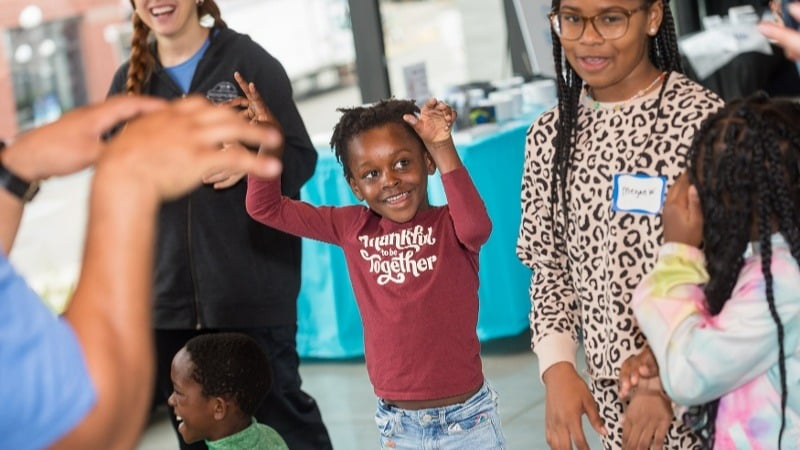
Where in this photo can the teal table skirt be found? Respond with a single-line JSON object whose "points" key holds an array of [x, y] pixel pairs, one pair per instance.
{"points": [[329, 325]]}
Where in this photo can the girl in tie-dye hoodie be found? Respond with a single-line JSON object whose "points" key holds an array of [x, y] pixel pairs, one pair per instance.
{"points": [[721, 308]]}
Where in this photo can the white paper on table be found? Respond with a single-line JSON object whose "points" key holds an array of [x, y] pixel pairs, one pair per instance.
{"points": [[709, 50]]}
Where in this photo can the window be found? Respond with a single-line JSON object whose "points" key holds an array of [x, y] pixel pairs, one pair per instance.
{"points": [[46, 70]]}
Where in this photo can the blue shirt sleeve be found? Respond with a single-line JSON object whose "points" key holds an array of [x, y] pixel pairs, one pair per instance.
{"points": [[44, 382]]}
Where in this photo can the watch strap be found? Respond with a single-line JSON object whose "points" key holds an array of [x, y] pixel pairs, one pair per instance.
{"points": [[22, 189]]}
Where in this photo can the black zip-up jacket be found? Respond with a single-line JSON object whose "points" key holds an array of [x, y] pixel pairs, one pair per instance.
{"points": [[215, 266]]}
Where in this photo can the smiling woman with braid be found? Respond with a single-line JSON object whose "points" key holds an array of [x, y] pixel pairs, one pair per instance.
{"points": [[723, 320], [215, 268], [596, 168]]}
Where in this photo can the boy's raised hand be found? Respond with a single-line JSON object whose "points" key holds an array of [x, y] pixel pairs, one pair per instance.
{"points": [[255, 108], [435, 121], [258, 113], [682, 215], [434, 127]]}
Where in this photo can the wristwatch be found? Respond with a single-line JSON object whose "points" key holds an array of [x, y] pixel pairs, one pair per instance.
{"points": [[22, 189]]}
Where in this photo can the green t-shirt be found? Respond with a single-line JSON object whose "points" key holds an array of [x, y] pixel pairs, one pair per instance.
{"points": [[255, 437]]}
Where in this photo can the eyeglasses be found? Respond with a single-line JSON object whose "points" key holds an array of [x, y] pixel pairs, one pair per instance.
{"points": [[610, 24]]}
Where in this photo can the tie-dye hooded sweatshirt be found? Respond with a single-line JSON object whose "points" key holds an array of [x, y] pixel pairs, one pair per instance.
{"points": [[732, 356]]}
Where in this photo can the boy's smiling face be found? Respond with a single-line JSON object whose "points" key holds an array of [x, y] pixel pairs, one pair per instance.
{"points": [[194, 410], [390, 171]]}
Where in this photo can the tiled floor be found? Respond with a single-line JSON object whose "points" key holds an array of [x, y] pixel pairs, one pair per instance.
{"points": [[348, 403]]}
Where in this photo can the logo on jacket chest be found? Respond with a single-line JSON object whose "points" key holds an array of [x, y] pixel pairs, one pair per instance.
{"points": [[393, 256], [224, 91]]}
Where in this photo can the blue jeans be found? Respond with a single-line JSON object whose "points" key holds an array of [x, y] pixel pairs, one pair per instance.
{"points": [[472, 425]]}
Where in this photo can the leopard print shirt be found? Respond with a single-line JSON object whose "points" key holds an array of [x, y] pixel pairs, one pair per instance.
{"points": [[585, 292]]}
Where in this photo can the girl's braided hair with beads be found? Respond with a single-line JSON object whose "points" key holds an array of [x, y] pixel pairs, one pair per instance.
{"points": [[663, 53], [142, 59], [358, 119], [745, 163]]}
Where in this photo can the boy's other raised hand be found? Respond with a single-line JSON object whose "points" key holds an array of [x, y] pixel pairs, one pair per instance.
{"points": [[254, 107], [435, 121], [256, 110], [682, 215]]}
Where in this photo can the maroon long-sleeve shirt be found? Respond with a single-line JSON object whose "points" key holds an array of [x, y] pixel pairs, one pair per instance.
{"points": [[416, 283]]}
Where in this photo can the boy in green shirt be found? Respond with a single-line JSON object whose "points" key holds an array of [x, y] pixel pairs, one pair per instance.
{"points": [[219, 380]]}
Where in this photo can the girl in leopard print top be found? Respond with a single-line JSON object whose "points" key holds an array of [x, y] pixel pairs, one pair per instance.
{"points": [[596, 168]]}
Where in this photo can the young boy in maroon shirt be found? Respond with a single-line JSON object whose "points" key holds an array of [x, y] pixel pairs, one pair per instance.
{"points": [[413, 266]]}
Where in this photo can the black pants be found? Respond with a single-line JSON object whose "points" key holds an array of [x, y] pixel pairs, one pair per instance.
{"points": [[287, 409]]}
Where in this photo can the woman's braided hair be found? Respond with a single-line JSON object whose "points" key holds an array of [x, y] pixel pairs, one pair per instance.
{"points": [[745, 163], [142, 59], [664, 54]]}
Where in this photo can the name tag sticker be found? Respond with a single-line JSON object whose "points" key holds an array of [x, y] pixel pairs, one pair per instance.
{"points": [[634, 193]]}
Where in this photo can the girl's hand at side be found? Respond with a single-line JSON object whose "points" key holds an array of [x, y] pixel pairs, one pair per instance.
{"points": [[567, 398], [647, 417], [682, 215]]}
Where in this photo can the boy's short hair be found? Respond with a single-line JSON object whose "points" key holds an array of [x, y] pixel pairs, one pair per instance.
{"points": [[358, 119], [231, 364]]}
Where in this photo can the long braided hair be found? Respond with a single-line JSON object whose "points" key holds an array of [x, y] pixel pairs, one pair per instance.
{"points": [[745, 163], [142, 59], [663, 52]]}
